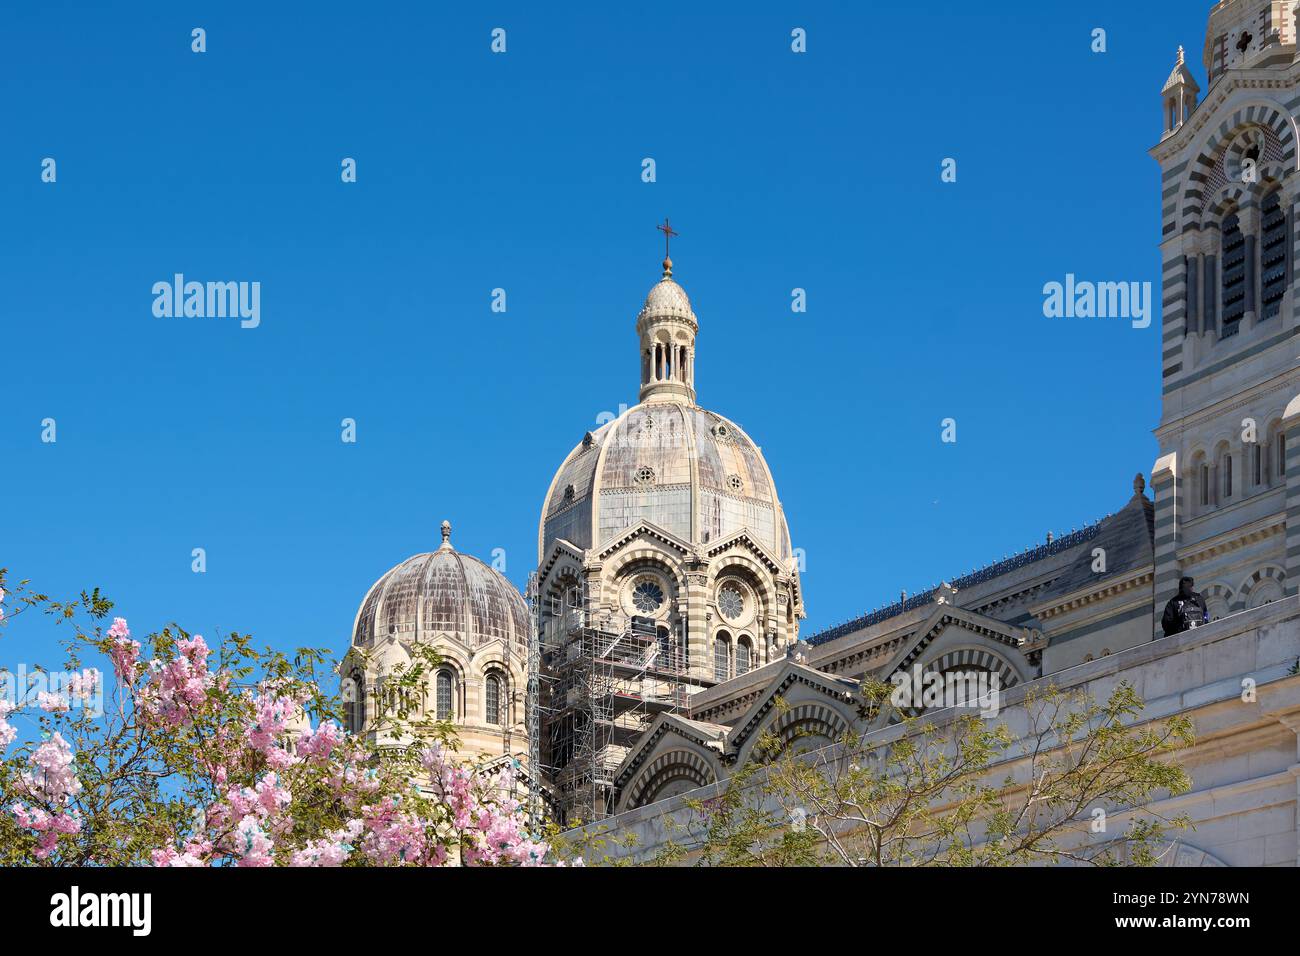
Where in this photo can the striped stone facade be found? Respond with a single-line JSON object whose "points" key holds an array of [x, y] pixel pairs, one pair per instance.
{"points": [[1228, 351], [1164, 486]]}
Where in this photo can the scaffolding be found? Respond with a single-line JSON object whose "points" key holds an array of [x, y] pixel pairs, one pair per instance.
{"points": [[532, 702], [607, 677]]}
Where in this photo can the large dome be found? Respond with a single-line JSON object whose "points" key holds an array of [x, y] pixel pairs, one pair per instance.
{"points": [[443, 592], [665, 461], [686, 469]]}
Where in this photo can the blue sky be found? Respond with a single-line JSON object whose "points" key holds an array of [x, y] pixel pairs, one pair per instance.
{"points": [[522, 171]]}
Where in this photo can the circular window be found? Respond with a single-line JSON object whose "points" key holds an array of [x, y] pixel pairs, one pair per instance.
{"points": [[568, 492], [731, 602], [648, 596], [735, 482], [645, 475]]}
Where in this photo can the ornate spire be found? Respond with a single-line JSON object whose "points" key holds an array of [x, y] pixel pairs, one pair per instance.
{"points": [[446, 536], [1180, 55], [666, 328], [668, 232]]}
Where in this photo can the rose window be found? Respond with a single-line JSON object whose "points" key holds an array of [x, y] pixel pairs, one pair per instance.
{"points": [[648, 596], [731, 603]]}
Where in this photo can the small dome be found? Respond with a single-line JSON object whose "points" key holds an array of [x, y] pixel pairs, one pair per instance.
{"points": [[443, 592], [667, 298]]}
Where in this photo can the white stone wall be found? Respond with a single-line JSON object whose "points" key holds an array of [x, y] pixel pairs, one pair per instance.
{"points": [[1244, 765]]}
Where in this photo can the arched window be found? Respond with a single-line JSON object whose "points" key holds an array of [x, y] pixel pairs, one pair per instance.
{"points": [[1201, 483], [1281, 454], [354, 706], [445, 684], [492, 696], [1234, 275], [743, 655], [1225, 469], [1272, 257], [722, 656]]}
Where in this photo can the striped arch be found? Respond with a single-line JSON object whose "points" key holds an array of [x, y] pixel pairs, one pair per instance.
{"points": [[758, 576], [969, 658], [664, 561], [813, 719], [1272, 177], [672, 767], [1219, 599], [975, 658], [1206, 177], [1264, 585]]}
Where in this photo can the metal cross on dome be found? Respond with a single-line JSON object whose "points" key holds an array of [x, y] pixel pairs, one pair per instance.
{"points": [[668, 232]]}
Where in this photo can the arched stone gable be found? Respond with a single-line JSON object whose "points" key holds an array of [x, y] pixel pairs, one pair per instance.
{"points": [[676, 768], [980, 658], [617, 562], [564, 556], [671, 751], [814, 721], [797, 685], [1204, 177], [967, 628], [743, 541]]}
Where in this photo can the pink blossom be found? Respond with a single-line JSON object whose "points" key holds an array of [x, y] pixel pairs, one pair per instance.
{"points": [[52, 703], [252, 843], [83, 686], [319, 744], [7, 731], [124, 652]]}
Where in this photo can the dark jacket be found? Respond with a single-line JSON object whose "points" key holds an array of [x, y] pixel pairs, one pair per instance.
{"points": [[1184, 611]]}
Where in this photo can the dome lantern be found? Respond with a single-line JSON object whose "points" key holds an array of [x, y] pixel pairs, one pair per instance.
{"points": [[666, 328]]}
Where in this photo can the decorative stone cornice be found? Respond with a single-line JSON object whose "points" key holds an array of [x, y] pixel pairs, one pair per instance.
{"points": [[1143, 577], [1274, 79], [1233, 540]]}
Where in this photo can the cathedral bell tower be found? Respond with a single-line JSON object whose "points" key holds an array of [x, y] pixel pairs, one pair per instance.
{"points": [[1226, 496]]}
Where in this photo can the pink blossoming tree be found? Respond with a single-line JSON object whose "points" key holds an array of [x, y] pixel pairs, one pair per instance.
{"points": [[227, 755]]}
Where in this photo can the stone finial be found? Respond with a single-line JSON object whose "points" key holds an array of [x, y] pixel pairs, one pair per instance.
{"points": [[1180, 55], [446, 535], [1139, 484], [1050, 537]]}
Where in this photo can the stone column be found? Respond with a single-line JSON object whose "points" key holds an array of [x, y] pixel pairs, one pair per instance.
{"points": [[1168, 518], [1249, 219], [1291, 429], [1193, 290], [698, 621], [1210, 298]]}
